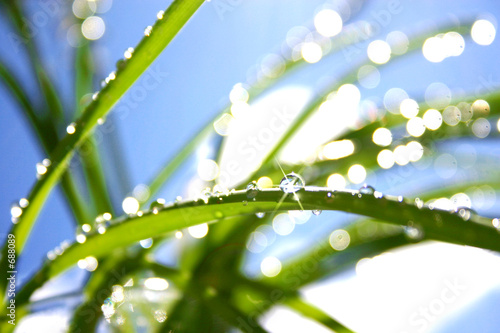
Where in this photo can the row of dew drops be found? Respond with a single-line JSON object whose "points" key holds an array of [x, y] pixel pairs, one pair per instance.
{"points": [[290, 184], [129, 52]]}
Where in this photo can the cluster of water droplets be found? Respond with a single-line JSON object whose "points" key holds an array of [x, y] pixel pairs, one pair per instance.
{"points": [[17, 209], [59, 250], [42, 168], [101, 224]]}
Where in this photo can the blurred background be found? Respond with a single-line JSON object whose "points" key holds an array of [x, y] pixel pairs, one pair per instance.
{"points": [[224, 49]]}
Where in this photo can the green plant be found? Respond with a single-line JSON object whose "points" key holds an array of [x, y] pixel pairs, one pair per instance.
{"points": [[208, 300]]}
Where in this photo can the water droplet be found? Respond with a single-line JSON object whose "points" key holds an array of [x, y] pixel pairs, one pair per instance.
{"points": [[82, 233], [160, 14], [260, 214], [496, 223], [413, 232], [378, 195], [400, 198], [101, 121], [317, 212], [252, 190], [245, 203], [40, 170], [16, 211], [329, 194], [291, 183], [95, 95], [101, 224], [148, 30], [51, 255], [160, 316], [120, 64], [157, 205], [465, 213], [128, 53], [71, 128], [367, 189], [205, 194], [218, 214], [178, 234], [419, 203], [146, 243]]}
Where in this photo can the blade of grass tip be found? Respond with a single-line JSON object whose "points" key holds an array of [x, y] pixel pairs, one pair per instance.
{"points": [[436, 224], [415, 44], [47, 137], [148, 49]]}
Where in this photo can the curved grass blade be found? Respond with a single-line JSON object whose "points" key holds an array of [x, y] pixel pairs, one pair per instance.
{"points": [[435, 224]]}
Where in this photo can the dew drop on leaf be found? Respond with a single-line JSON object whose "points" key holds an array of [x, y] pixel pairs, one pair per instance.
{"points": [[316, 212], [252, 190], [291, 183], [157, 205], [367, 189], [260, 214]]}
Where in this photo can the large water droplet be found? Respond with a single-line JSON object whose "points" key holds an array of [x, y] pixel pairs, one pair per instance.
{"points": [[291, 183], [367, 189], [252, 190], [316, 212], [260, 214], [160, 14], [157, 205]]}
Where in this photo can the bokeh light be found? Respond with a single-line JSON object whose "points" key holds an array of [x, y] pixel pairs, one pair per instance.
{"points": [[328, 22], [483, 32], [93, 27], [379, 52], [270, 266], [356, 174]]}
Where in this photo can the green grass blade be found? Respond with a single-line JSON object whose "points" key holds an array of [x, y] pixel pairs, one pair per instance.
{"points": [[435, 224], [310, 311], [147, 50]]}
